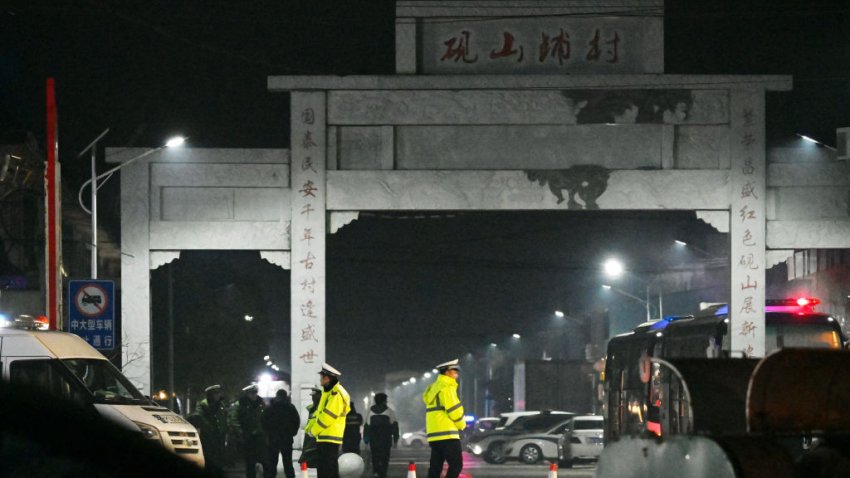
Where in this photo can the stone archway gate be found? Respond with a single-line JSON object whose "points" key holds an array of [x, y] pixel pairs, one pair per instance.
{"points": [[478, 142]]}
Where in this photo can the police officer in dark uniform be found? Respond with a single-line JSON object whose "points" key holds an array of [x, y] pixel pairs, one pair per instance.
{"points": [[281, 422], [249, 412], [210, 418]]}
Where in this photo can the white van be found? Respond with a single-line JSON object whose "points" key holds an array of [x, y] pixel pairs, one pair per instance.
{"points": [[66, 366]]}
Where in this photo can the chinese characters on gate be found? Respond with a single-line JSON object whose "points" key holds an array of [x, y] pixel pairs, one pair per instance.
{"points": [[303, 238], [749, 214], [558, 46]]}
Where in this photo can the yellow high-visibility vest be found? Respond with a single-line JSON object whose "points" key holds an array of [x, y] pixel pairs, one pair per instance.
{"points": [[443, 410], [329, 423]]}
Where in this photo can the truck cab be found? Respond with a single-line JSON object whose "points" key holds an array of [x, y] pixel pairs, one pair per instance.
{"points": [[65, 366]]}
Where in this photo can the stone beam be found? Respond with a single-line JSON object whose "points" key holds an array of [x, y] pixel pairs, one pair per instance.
{"points": [[506, 82], [513, 190], [817, 234]]}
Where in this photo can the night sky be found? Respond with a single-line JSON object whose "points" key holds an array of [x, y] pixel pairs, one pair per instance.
{"points": [[149, 69]]}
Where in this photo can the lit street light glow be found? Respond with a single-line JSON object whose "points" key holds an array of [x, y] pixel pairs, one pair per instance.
{"points": [[249, 318], [412, 379], [613, 268], [516, 336], [559, 314], [809, 139], [175, 142], [681, 243], [606, 286]]}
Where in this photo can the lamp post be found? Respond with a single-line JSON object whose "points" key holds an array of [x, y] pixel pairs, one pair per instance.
{"points": [[632, 296], [614, 268], [173, 142]]}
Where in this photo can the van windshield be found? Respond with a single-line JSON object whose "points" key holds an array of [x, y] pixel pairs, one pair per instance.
{"points": [[104, 381]]}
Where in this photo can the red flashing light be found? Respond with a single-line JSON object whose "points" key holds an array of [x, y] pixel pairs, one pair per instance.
{"points": [[42, 322], [800, 306], [807, 302]]}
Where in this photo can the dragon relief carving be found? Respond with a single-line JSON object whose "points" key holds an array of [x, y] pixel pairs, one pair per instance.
{"points": [[586, 182]]}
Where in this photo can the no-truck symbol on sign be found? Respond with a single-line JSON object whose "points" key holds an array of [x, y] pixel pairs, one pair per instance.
{"points": [[92, 300], [92, 312]]}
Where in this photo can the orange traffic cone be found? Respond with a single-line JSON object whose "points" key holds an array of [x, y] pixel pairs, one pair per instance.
{"points": [[553, 470], [304, 472], [411, 470]]}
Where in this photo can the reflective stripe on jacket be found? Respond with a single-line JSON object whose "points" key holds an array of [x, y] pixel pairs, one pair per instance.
{"points": [[329, 424], [443, 410]]}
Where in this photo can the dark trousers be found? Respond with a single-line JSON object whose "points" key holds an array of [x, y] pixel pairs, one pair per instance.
{"points": [[255, 452], [380, 459], [445, 451], [328, 466], [276, 450]]}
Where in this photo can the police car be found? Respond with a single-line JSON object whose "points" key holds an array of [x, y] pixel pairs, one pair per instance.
{"points": [[491, 445], [581, 441], [530, 448]]}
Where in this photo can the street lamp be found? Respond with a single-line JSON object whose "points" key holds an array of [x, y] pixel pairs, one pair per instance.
{"points": [[809, 139], [631, 296], [171, 143], [692, 247], [614, 268]]}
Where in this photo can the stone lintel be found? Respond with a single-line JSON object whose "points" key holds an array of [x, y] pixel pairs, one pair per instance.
{"points": [[820, 234], [504, 82], [525, 8], [836, 173], [513, 190], [200, 155]]}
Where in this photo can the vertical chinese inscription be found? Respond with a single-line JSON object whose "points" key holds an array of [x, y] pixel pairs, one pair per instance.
{"points": [[307, 313], [747, 228]]}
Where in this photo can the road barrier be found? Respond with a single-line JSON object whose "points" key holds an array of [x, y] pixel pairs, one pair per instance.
{"points": [[411, 470]]}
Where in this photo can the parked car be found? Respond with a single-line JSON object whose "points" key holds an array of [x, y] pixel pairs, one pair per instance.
{"points": [[489, 445], [530, 448], [486, 423], [581, 440], [507, 418], [481, 425], [417, 439]]}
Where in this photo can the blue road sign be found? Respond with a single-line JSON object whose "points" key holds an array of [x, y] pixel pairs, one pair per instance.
{"points": [[91, 312]]}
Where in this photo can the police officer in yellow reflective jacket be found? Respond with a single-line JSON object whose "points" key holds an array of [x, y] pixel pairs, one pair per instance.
{"points": [[329, 422], [444, 421]]}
